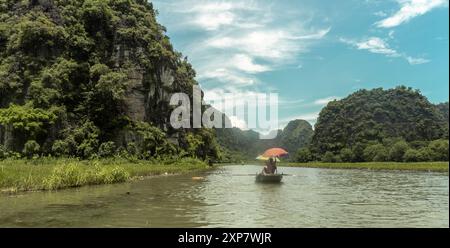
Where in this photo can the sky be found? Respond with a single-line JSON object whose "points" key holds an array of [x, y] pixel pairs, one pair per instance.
{"points": [[311, 52]]}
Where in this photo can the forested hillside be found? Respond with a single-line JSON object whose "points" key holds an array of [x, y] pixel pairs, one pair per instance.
{"points": [[243, 145], [296, 135], [91, 78], [381, 125]]}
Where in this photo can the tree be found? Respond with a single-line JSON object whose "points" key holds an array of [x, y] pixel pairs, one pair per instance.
{"points": [[31, 148], [398, 150], [346, 155], [358, 151], [3, 152], [411, 155], [107, 149], [328, 157], [28, 119], [424, 154], [439, 150], [60, 148], [375, 153], [304, 155]]}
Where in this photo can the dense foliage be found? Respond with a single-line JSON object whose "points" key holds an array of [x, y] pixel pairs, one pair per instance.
{"points": [[381, 125], [69, 71], [296, 135]]}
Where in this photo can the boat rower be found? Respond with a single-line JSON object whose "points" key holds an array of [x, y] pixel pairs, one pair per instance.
{"points": [[271, 167]]}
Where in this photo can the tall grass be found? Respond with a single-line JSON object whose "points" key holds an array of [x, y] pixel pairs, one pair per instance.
{"points": [[52, 173], [73, 175]]}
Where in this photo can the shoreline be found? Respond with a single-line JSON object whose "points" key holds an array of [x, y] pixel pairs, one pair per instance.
{"points": [[379, 166], [44, 174]]}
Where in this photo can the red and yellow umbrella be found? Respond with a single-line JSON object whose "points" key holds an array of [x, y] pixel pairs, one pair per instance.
{"points": [[275, 152]]}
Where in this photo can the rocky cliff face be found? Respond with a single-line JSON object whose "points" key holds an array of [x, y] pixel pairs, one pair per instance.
{"points": [[98, 64], [148, 92]]}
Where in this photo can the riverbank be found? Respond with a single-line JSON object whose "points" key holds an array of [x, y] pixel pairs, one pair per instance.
{"points": [[423, 166], [52, 173]]}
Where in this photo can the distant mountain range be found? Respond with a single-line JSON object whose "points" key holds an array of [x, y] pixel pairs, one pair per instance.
{"points": [[355, 122]]}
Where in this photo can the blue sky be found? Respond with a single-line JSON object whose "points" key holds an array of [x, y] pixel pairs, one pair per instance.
{"points": [[309, 51]]}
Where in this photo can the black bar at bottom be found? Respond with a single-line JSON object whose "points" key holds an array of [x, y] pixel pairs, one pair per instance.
{"points": [[265, 237]]}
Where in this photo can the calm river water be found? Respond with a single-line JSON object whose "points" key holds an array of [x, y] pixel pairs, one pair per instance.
{"points": [[229, 198]]}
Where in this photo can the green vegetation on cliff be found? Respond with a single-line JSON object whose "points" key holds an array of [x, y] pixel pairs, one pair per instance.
{"points": [[296, 135], [91, 78], [381, 125]]}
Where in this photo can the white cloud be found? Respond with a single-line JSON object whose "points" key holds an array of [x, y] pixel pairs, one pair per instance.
{"points": [[228, 76], [380, 14], [232, 42], [373, 45], [237, 40], [380, 46], [278, 43], [325, 101], [211, 16], [212, 21], [416, 61], [245, 63], [410, 9]]}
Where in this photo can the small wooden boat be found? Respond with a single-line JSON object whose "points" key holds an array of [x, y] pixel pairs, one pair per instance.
{"points": [[269, 178]]}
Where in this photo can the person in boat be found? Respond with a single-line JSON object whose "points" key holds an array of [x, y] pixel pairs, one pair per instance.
{"points": [[271, 167]]}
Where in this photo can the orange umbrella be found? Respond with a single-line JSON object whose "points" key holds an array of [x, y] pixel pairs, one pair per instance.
{"points": [[275, 152]]}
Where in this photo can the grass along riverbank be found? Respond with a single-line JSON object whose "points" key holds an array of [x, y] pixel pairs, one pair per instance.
{"points": [[52, 174], [423, 166]]}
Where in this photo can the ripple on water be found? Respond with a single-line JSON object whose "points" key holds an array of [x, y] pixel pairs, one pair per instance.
{"points": [[229, 197]]}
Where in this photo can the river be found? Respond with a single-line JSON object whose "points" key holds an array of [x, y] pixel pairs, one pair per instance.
{"points": [[230, 198]]}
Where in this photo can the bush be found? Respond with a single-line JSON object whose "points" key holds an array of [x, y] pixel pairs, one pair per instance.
{"points": [[418, 144], [3, 152], [346, 155], [375, 153], [328, 157], [60, 148], [31, 148], [64, 176], [411, 155], [303, 155], [115, 175], [358, 152], [154, 142], [132, 149], [424, 154], [337, 159], [439, 150], [107, 149], [398, 150], [28, 120], [86, 137]]}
